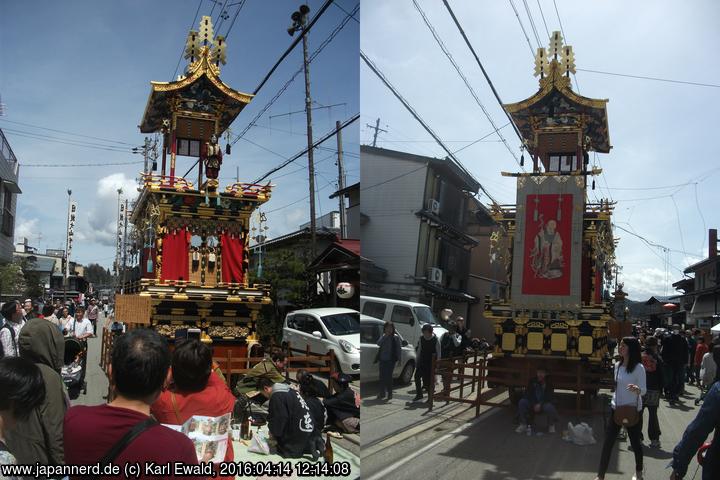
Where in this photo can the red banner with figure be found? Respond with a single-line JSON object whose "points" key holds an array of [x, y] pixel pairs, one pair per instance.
{"points": [[232, 254], [548, 244], [175, 261]]}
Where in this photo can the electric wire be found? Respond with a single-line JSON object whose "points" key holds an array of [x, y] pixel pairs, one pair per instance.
{"points": [[677, 216], [182, 51], [346, 12], [282, 89], [532, 23], [562, 30], [485, 74], [417, 117], [532, 52], [66, 132], [697, 204], [543, 19], [52, 165], [232, 24], [74, 144], [656, 79], [449, 56]]}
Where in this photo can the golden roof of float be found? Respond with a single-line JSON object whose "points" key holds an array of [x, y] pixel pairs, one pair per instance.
{"points": [[555, 105], [200, 90]]}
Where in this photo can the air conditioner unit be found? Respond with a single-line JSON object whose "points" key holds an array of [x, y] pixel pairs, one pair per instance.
{"points": [[433, 205], [434, 275]]}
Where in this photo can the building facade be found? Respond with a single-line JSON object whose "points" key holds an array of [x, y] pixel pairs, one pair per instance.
{"points": [[413, 226], [9, 191]]}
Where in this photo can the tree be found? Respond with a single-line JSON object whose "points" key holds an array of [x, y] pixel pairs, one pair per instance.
{"points": [[12, 280], [98, 275], [290, 286], [34, 288]]}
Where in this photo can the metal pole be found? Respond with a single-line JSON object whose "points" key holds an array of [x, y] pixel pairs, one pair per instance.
{"points": [[377, 127], [146, 151], [311, 164], [341, 182], [124, 252], [67, 246]]}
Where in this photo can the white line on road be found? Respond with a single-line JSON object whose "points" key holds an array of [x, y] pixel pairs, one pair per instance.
{"points": [[391, 468]]}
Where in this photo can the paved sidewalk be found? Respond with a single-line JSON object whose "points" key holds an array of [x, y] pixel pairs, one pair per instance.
{"points": [[97, 382]]}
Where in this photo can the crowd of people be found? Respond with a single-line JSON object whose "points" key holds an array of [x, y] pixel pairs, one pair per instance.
{"points": [[152, 386]]}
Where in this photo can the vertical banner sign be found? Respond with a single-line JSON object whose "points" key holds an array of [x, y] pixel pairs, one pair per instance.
{"points": [[548, 222], [72, 214], [547, 247]]}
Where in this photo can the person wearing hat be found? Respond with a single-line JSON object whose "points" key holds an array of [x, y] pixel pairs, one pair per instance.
{"points": [[14, 320], [428, 347], [654, 382], [343, 407]]}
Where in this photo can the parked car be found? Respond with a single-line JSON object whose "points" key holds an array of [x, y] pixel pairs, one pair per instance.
{"points": [[408, 317], [323, 330], [371, 329]]}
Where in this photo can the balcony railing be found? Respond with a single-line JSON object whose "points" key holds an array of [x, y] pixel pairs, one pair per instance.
{"points": [[7, 154]]}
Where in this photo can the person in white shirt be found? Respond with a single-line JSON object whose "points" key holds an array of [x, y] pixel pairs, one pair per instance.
{"points": [[629, 388], [92, 314], [64, 318], [13, 321], [80, 327]]}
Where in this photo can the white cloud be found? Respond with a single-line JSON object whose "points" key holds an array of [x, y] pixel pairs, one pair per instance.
{"points": [[646, 282], [27, 229], [102, 217]]}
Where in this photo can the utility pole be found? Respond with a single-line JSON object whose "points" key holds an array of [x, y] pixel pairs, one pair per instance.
{"points": [[299, 19], [68, 245], [341, 182], [377, 129], [118, 239]]}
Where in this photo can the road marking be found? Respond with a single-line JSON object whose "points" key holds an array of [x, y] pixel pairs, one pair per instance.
{"points": [[392, 467]]}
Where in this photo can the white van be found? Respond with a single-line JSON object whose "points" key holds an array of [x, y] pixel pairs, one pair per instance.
{"points": [[408, 317]]}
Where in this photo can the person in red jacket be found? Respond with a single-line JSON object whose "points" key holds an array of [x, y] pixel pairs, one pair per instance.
{"points": [[195, 390]]}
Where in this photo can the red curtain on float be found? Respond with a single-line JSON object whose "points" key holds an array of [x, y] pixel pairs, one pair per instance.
{"points": [[175, 264], [233, 251]]}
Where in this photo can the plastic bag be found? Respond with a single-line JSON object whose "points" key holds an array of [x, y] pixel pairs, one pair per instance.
{"points": [[259, 444], [580, 434]]}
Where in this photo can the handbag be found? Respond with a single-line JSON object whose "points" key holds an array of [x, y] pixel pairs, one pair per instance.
{"points": [[626, 415]]}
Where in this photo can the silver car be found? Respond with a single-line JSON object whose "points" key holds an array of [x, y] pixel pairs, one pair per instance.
{"points": [[371, 329]]}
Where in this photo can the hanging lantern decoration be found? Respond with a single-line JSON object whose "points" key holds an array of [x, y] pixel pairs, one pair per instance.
{"points": [[670, 307], [345, 290]]}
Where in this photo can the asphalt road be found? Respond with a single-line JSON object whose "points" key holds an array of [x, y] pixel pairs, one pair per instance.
{"points": [[487, 448]]}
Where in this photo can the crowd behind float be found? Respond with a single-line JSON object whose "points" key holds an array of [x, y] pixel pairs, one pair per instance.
{"points": [[42, 370]]}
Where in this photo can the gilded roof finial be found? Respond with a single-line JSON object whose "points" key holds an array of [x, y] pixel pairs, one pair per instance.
{"points": [[202, 43], [556, 61]]}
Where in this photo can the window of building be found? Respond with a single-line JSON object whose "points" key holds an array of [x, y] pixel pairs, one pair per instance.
{"points": [[8, 220]]}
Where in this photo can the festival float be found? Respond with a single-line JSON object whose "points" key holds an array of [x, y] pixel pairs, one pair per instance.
{"points": [[189, 241], [556, 247]]}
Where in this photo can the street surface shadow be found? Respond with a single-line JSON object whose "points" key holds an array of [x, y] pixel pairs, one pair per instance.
{"points": [[498, 453]]}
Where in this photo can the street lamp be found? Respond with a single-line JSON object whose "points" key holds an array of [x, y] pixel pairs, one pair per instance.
{"points": [[299, 18]]}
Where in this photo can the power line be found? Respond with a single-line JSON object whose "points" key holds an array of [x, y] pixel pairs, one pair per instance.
{"points": [[532, 52], [58, 165], [697, 204], [656, 79], [41, 136], [677, 216], [449, 56], [293, 45], [543, 18], [182, 51], [323, 139], [74, 144], [393, 178], [485, 74], [479, 139], [232, 24], [562, 30], [532, 23], [220, 16], [294, 76], [346, 12], [66, 132], [417, 117]]}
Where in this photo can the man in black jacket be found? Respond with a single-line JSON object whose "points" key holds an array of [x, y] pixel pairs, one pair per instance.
{"points": [[538, 398], [343, 407], [675, 355], [289, 418]]}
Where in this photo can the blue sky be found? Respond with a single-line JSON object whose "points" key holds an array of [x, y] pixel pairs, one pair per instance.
{"points": [[662, 169], [85, 67]]}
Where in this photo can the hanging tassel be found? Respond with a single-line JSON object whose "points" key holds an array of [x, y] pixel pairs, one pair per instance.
{"points": [[227, 149], [593, 184], [535, 215], [149, 265], [559, 214], [522, 160], [154, 165]]}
